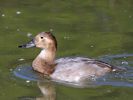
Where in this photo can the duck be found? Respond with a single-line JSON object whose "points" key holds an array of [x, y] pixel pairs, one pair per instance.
{"points": [[67, 69]]}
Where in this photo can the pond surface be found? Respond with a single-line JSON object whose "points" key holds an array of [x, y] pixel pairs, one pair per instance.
{"points": [[96, 29]]}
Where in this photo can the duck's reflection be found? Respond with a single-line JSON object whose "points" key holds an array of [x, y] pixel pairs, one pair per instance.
{"points": [[48, 91]]}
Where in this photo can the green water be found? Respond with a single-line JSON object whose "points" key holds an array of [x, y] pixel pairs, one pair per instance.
{"points": [[89, 28]]}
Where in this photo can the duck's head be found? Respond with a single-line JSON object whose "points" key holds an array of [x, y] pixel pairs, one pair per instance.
{"points": [[44, 40]]}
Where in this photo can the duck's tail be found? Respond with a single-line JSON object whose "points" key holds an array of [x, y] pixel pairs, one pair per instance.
{"points": [[118, 69]]}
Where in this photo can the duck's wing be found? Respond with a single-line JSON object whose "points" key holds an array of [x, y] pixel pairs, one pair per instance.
{"points": [[105, 65]]}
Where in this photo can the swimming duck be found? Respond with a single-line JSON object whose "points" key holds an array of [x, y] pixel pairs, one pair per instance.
{"points": [[68, 69]]}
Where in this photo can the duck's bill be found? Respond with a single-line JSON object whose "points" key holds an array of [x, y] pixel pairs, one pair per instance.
{"points": [[28, 45]]}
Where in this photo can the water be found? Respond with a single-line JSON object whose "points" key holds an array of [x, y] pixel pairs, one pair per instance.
{"points": [[90, 29]]}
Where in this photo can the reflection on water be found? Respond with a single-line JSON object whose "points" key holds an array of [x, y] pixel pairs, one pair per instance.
{"points": [[122, 78], [47, 89]]}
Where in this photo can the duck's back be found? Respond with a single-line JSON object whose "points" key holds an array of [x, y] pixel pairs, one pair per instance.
{"points": [[79, 69]]}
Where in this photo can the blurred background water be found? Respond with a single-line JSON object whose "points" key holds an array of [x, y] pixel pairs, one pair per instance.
{"points": [[89, 28]]}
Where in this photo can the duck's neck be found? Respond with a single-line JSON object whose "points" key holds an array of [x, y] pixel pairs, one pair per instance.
{"points": [[44, 62], [47, 55]]}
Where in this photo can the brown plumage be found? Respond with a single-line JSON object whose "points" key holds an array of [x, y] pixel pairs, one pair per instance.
{"points": [[68, 69]]}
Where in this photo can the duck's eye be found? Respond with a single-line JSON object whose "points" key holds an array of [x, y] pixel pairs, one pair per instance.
{"points": [[41, 37]]}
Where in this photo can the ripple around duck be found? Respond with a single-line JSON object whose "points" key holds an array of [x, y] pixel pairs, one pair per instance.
{"points": [[123, 78]]}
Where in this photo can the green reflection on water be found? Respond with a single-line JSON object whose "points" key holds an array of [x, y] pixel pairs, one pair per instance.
{"points": [[89, 28]]}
